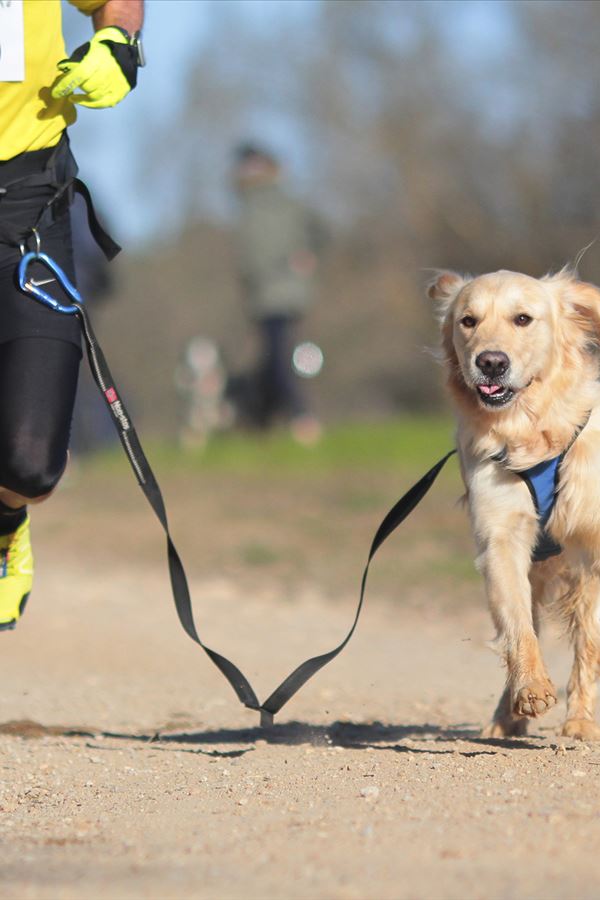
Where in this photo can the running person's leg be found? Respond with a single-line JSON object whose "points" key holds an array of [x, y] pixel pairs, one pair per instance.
{"points": [[40, 352], [39, 380]]}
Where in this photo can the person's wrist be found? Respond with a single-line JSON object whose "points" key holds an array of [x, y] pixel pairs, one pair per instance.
{"points": [[126, 34], [116, 34], [113, 33]]}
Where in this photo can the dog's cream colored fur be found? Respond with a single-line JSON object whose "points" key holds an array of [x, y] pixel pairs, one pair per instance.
{"points": [[554, 373]]}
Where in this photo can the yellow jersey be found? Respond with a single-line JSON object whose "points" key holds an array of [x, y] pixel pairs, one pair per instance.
{"points": [[29, 118]]}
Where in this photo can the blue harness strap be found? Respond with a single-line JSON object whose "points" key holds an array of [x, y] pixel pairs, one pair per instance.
{"points": [[542, 481]]}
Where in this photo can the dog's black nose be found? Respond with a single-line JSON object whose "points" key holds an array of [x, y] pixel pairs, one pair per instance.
{"points": [[492, 363]]}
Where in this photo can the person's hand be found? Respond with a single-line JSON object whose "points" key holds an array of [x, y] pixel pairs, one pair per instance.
{"points": [[104, 69]]}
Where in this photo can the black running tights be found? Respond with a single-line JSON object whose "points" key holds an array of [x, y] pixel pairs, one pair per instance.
{"points": [[38, 381]]}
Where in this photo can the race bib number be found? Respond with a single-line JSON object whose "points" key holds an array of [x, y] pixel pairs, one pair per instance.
{"points": [[12, 41]]}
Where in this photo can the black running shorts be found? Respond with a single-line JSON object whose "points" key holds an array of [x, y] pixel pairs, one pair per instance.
{"points": [[20, 315]]}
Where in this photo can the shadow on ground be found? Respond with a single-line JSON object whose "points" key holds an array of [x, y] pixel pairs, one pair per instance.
{"points": [[349, 735]]}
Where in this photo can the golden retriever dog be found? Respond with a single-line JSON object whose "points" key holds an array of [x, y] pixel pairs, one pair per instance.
{"points": [[523, 371]]}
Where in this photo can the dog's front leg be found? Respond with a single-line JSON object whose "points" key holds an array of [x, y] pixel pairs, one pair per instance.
{"points": [[529, 692], [580, 608]]}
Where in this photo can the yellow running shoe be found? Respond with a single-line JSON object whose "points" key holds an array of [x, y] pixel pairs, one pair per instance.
{"points": [[16, 574]]}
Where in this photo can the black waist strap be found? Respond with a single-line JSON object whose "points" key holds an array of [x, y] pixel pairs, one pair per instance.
{"points": [[58, 174], [109, 247]]}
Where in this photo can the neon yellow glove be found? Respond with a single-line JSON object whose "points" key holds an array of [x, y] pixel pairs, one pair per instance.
{"points": [[105, 69]]}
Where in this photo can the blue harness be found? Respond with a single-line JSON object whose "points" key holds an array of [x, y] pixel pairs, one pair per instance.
{"points": [[542, 481]]}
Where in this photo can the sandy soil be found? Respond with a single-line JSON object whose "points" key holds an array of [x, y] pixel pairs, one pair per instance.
{"points": [[130, 770]]}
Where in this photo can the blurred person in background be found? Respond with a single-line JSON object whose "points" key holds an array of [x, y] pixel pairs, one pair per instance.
{"points": [[40, 350], [277, 241]]}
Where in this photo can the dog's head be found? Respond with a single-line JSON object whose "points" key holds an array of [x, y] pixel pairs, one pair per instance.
{"points": [[505, 332]]}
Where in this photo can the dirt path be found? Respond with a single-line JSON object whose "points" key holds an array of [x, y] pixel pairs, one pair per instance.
{"points": [[373, 784]]}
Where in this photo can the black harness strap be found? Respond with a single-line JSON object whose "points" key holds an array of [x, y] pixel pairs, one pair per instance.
{"points": [[60, 174], [179, 585], [109, 247]]}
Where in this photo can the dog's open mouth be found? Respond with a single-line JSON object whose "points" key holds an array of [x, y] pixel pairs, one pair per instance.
{"points": [[494, 394]]}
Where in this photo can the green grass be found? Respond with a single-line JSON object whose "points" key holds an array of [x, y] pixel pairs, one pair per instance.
{"points": [[411, 443], [261, 507], [257, 554]]}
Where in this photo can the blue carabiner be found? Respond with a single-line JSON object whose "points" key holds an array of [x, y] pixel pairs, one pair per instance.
{"points": [[30, 287]]}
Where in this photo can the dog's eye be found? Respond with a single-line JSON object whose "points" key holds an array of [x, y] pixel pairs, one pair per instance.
{"points": [[468, 322], [523, 319]]}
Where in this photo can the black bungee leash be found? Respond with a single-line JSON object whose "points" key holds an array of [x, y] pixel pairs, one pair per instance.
{"points": [[149, 485]]}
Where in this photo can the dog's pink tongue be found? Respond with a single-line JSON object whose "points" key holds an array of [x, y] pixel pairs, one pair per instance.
{"points": [[489, 388]]}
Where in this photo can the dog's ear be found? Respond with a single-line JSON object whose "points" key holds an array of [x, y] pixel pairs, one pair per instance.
{"points": [[585, 298], [584, 303], [444, 286]]}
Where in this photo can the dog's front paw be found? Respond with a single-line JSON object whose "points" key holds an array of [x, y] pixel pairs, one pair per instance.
{"points": [[534, 698], [581, 730]]}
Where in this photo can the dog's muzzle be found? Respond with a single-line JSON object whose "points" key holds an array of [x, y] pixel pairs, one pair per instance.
{"points": [[492, 389]]}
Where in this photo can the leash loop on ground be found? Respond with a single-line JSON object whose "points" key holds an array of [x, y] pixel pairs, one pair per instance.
{"points": [[149, 485]]}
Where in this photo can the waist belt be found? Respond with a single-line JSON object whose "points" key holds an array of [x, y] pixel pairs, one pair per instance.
{"points": [[59, 175]]}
